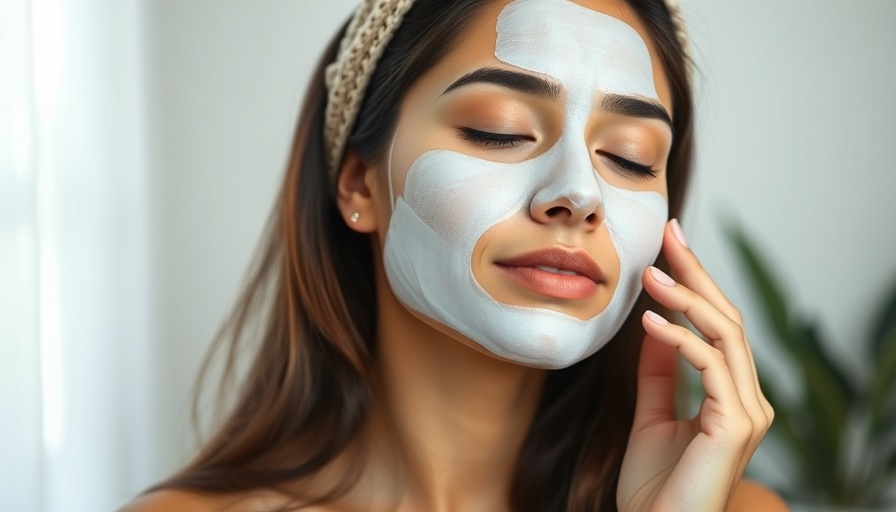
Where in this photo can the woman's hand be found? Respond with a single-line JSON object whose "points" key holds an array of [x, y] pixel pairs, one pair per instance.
{"points": [[696, 463]]}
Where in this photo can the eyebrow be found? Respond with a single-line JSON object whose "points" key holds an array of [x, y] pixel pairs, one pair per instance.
{"points": [[548, 89], [634, 107], [520, 82]]}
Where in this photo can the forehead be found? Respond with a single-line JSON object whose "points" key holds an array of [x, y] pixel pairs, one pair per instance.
{"points": [[576, 45], [562, 38]]}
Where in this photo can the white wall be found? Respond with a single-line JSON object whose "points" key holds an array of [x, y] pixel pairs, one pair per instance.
{"points": [[796, 111], [226, 80]]}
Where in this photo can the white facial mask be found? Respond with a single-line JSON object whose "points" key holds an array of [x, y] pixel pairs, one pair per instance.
{"points": [[450, 199]]}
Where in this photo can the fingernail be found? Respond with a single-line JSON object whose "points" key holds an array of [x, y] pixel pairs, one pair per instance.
{"points": [[679, 233], [661, 277], [655, 318]]}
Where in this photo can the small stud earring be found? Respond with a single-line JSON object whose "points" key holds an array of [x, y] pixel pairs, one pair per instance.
{"points": [[355, 216]]}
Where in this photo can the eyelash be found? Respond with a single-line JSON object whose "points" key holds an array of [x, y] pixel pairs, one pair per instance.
{"points": [[504, 140], [498, 140], [634, 168]]}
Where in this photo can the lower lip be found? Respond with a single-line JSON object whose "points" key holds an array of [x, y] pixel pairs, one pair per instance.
{"points": [[550, 284]]}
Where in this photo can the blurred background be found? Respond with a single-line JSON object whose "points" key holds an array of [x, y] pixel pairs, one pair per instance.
{"points": [[141, 145]]}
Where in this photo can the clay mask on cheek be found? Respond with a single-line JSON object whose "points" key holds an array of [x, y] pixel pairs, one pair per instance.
{"points": [[450, 199]]}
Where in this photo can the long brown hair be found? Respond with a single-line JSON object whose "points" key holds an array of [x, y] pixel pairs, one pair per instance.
{"points": [[308, 312]]}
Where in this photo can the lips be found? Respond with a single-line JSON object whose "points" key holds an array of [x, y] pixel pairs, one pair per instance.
{"points": [[555, 272]]}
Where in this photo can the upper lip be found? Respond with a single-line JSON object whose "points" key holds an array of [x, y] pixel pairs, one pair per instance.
{"points": [[570, 260]]}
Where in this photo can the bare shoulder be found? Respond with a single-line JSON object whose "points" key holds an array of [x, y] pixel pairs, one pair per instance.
{"points": [[172, 499], [751, 496]]}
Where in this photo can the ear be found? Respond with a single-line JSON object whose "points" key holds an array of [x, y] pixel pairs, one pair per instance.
{"points": [[355, 193]]}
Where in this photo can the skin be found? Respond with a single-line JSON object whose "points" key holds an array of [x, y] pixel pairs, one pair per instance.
{"points": [[449, 417]]}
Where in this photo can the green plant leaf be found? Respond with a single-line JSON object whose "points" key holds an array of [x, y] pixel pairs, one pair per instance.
{"points": [[873, 495], [815, 429], [829, 392], [768, 293], [890, 471], [882, 388], [791, 427], [841, 380], [881, 395], [884, 325]]}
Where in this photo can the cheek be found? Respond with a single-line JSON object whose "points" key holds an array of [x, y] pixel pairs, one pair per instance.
{"points": [[636, 221], [460, 197], [660, 185], [415, 136]]}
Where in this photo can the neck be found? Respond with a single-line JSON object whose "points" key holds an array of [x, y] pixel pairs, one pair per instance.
{"points": [[449, 420]]}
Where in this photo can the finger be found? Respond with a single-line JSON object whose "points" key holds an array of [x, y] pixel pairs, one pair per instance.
{"points": [[722, 404], [725, 426], [720, 330], [690, 272], [687, 268], [657, 370], [724, 334]]}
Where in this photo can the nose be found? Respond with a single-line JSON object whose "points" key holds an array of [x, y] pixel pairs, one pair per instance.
{"points": [[571, 196]]}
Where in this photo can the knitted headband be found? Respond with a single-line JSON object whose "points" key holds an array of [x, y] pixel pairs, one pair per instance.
{"points": [[366, 38]]}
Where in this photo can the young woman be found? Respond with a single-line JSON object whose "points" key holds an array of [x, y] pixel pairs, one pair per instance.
{"points": [[449, 307]]}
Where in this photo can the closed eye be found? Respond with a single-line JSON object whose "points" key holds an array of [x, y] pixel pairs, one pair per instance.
{"points": [[632, 168], [509, 140], [499, 140]]}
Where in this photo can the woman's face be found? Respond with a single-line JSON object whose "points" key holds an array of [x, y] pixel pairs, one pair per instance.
{"points": [[524, 192]]}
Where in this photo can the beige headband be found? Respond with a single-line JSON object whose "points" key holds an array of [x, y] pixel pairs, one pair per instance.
{"points": [[366, 38]]}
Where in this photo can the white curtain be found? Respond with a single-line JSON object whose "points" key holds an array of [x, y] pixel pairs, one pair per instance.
{"points": [[75, 285]]}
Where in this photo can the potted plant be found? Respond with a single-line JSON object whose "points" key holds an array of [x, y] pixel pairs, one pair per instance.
{"points": [[840, 434]]}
